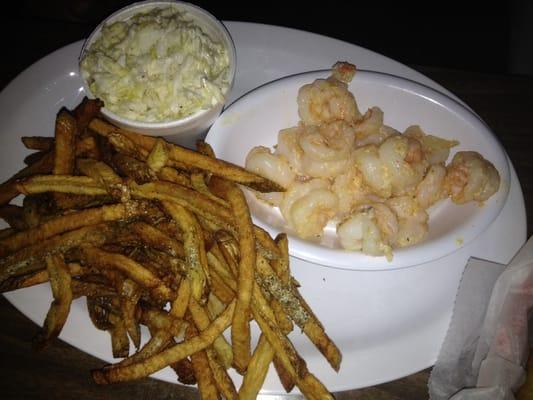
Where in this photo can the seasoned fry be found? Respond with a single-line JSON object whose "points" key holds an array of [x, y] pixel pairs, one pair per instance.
{"points": [[39, 143], [69, 222], [168, 356], [157, 235], [60, 281], [99, 258], [192, 159], [60, 184], [240, 330], [194, 249], [9, 189], [202, 370], [13, 215], [257, 370], [65, 143], [202, 321]]}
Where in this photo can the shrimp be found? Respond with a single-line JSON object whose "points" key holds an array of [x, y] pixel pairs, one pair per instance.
{"points": [[361, 232], [394, 153], [326, 149], [350, 189], [375, 173], [470, 177], [327, 100], [308, 206], [261, 161], [412, 221], [370, 129], [436, 149], [289, 148], [310, 213], [431, 189]]}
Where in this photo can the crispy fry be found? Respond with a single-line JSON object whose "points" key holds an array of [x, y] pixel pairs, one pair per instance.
{"points": [[135, 223], [85, 112], [61, 289], [168, 356], [32, 158], [202, 370], [9, 189], [13, 215], [61, 184], [202, 321], [157, 239], [192, 159], [257, 370], [158, 156], [69, 222], [240, 329], [193, 243], [222, 380], [65, 143], [39, 143], [99, 258]]}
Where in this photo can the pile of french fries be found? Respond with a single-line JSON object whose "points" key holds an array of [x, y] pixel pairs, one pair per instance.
{"points": [[158, 235]]}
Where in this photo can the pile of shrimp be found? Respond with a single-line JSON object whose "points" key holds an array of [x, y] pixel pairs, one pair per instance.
{"points": [[372, 182]]}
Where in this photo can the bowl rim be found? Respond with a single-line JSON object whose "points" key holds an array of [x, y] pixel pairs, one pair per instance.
{"points": [[228, 42], [305, 250]]}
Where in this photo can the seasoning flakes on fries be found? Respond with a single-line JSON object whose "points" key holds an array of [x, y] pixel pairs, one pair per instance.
{"points": [[157, 235]]}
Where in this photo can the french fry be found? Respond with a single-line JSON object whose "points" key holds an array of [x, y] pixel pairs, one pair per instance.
{"points": [[192, 159], [40, 143], [61, 184], [60, 281], [257, 370], [202, 321], [135, 224], [69, 222], [202, 370], [240, 329], [64, 143], [193, 243], [158, 156], [139, 274], [168, 356], [13, 215]]}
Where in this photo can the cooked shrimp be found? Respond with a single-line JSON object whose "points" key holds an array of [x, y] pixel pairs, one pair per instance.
{"points": [[393, 153], [412, 221], [431, 189], [360, 232], [298, 190], [343, 71], [327, 100], [470, 177], [435, 148], [387, 222], [289, 148], [375, 173], [310, 213], [261, 161], [326, 149], [350, 189], [370, 129]]}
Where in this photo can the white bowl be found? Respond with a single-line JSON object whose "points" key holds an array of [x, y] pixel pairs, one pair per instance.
{"points": [[257, 117], [187, 130]]}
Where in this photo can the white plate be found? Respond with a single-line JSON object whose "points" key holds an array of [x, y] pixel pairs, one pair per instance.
{"points": [[257, 117], [388, 324]]}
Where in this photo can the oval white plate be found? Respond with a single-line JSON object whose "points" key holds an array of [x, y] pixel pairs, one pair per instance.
{"points": [[387, 323], [257, 117]]}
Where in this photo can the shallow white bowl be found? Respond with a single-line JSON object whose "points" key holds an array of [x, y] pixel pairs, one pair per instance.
{"points": [[257, 117], [187, 130]]}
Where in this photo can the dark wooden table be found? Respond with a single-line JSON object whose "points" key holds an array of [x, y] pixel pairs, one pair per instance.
{"points": [[505, 102]]}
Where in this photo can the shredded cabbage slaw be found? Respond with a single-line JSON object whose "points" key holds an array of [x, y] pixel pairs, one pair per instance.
{"points": [[156, 66]]}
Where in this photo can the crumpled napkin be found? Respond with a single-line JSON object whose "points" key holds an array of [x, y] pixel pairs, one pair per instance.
{"points": [[486, 347]]}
